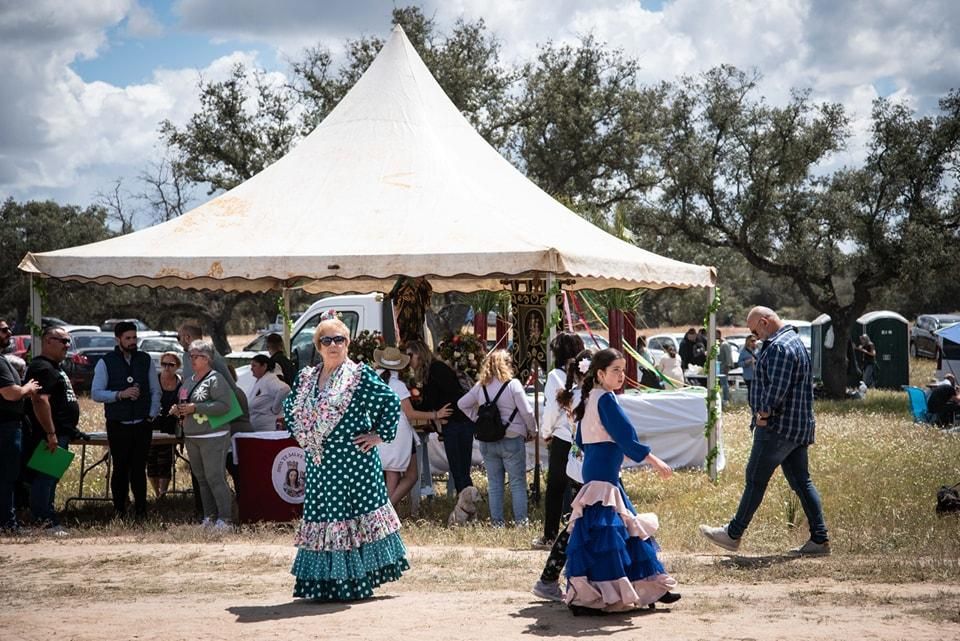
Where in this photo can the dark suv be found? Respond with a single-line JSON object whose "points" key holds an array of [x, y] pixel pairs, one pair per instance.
{"points": [[923, 340]]}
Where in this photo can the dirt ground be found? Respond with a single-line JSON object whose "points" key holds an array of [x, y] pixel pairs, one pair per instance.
{"points": [[114, 588]]}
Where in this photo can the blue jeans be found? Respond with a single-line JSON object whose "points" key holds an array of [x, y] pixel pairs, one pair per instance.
{"points": [[458, 445], [770, 450], [43, 490], [11, 445], [506, 455]]}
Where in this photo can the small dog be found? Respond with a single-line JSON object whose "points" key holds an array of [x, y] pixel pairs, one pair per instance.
{"points": [[466, 508]]}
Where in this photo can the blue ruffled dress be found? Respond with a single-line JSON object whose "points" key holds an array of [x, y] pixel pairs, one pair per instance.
{"points": [[348, 541], [612, 562]]}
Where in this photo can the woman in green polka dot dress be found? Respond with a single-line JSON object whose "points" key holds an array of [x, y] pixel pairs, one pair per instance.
{"points": [[348, 542]]}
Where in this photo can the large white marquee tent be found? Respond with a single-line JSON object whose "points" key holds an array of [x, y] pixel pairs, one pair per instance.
{"points": [[393, 182]]}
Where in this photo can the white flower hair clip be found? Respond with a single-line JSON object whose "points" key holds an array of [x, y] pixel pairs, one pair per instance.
{"points": [[583, 365]]}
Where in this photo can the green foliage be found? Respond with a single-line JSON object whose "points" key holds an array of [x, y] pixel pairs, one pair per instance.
{"points": [[37, 226]]}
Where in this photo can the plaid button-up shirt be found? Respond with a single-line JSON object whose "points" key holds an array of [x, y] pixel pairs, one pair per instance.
{"points": [[783, 387]]}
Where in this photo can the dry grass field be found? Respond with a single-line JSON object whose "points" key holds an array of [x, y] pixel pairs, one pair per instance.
{"points": [[894, 573]]}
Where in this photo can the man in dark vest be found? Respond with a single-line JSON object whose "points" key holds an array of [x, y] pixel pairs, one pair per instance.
{"points": [[127, 383]]}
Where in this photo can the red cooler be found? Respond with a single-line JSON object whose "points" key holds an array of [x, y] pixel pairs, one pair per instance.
{"points": [[272, 476]]}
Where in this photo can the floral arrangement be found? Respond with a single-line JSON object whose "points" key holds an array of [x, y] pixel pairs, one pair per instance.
{"points": [[464, 353], [361, 348]]}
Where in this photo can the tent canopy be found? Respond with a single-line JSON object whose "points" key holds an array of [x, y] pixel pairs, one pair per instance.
{"points": [[393, 182]]}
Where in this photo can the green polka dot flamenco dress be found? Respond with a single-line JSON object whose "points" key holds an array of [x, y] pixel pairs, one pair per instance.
{"points": [[348, 541]]}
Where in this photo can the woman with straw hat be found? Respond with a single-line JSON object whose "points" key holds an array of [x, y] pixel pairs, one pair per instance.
{"points": [[399, 466]]}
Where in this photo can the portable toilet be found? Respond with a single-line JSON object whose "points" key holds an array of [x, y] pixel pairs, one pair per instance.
{"points": [[821, 336], [890, 333]]}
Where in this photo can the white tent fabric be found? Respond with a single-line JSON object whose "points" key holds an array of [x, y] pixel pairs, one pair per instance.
{"points": [[393, 182]]}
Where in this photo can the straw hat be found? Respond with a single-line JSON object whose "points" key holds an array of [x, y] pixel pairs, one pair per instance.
{"points": [[391, 358]]}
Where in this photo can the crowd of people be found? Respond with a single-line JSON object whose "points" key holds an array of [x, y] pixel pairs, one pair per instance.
{"points": [[355, 427]]}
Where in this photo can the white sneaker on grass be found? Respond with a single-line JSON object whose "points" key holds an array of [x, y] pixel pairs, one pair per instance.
{"points": [[57, 531], [718, 536], [206, 523], [222, 526]]}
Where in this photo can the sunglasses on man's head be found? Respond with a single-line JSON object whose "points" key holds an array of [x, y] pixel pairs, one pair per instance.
{"points": [[327, 341]]}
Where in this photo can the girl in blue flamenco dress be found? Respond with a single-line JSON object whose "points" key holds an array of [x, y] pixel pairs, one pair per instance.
{"points": [[612, 563], [348, 542]]}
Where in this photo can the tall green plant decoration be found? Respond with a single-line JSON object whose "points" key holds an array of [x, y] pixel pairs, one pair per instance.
{"points": [[713, 394]]}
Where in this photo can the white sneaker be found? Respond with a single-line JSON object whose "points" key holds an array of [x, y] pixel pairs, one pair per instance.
{"points": [[548, 591], [718, 536], [206, 523], [221, 526], [56, 530]]}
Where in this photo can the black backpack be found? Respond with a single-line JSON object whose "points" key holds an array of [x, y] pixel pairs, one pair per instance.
{"points": [[948, 499], [490, 426]]}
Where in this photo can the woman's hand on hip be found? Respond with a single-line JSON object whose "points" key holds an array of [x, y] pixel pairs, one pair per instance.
{"points": [[367, 442]]}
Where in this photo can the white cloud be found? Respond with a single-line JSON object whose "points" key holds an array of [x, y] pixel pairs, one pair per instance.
{"points": [[142, 22]]}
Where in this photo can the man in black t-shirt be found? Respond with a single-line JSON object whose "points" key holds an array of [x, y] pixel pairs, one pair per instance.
{"points": [[12, 394], [944, 401], [55, 415]]}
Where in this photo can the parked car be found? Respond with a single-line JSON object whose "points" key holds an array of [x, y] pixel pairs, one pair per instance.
{"points": [[142, 327], [86, 350], [595, 341], [923, 341], [49, 321], [157, 345], [19, 346], [659, 342], [243, 357], [276, 327]]}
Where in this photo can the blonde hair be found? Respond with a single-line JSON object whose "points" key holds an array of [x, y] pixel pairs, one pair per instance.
{"points": [[497, 364], [331, 323], [175, 357]]}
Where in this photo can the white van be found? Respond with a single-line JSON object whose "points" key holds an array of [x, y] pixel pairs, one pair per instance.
{"points": [[373, 312]]}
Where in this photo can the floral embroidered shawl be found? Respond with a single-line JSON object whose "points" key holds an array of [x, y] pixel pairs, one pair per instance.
{"points": [[317, 410]]}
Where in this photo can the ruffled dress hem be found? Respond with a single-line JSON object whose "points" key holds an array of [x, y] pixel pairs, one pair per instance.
{"points": [[340, 575], [612, 560]]}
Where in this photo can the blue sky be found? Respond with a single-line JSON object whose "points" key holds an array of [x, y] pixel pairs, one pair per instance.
{"points": [[86, 82]]}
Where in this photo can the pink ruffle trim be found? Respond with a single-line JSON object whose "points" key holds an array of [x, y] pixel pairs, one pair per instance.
{"points": [[618, 595], [350, 534], [642, 526]]}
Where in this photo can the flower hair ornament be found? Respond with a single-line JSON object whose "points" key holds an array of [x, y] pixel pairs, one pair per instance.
{"points": [[330, 314], [583, 365]]}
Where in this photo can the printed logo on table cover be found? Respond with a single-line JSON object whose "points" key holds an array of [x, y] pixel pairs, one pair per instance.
{"points": [[288, 473]]}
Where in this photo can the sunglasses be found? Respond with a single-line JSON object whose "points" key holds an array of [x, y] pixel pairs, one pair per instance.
{"points": [[6, 330], [168, 364], [65, 341], [327, 341]]}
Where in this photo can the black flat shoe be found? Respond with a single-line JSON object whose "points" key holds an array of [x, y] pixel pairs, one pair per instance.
{"points": [[669, 597], [579, 610]]}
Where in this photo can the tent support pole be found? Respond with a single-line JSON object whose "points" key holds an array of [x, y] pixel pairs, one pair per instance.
{"points": [[551, 279], [285, 294], [36, 318], [713, 394]]}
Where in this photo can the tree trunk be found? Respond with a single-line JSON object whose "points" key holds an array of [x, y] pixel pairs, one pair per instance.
{"points": [[833, 367]]}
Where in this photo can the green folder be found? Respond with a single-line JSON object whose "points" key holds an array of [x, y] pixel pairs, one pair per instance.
{"points": [[52, 463], [232, 413]]}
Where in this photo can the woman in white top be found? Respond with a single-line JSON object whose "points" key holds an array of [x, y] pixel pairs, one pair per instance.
{"points": [[556, 432], [399, 466], [508, 455]]}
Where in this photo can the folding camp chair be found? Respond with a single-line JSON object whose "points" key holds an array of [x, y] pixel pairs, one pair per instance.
{"points": [[918, 405]]}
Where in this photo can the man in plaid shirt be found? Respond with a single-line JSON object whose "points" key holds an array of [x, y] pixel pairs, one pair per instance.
{"points": [[781, 398]]}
